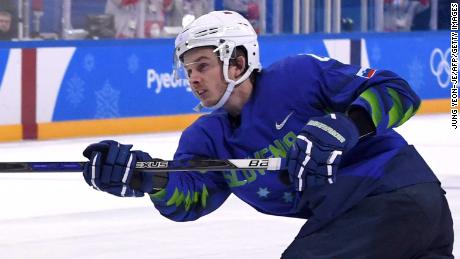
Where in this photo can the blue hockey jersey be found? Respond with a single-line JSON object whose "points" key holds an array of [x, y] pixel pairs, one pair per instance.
{"points": [[286, 95]]}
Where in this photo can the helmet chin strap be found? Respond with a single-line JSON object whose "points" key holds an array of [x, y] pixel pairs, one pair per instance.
{"points": [[230, 87], [224, 51], [231, 83], [221, 101]]}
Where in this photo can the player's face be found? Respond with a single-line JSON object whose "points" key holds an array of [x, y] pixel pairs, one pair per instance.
{"points": [[204, 70]]}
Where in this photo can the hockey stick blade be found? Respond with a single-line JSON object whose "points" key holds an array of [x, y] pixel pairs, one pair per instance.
{"points": [[271, 164]]}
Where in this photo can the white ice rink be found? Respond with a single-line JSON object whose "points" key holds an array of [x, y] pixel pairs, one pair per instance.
{"points": [[59, 216]]}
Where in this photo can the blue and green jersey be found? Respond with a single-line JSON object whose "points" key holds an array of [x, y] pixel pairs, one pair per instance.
{"points": [[286, 95]]}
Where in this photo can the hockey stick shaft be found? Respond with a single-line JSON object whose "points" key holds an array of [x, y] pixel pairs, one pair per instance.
{"points": [[153, 166]]}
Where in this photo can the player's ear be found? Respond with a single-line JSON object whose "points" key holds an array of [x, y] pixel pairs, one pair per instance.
{"points": [[240, 65]]}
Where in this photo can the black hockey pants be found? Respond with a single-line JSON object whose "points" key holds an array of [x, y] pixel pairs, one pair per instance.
{"points": [[411, 222]]}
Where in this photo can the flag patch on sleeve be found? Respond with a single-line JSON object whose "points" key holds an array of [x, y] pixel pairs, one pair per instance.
{"points": [[366, 72]]}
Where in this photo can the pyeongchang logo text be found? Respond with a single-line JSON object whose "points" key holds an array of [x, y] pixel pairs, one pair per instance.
{"points": [[163, 81]]}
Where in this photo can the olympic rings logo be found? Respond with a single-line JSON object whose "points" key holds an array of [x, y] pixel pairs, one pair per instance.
{"points": [[439, 64]]}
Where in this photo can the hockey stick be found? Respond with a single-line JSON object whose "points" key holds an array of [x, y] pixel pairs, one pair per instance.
{"points": [[271, 164]]}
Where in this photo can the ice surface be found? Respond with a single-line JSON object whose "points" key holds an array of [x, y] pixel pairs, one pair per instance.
{"points": [[59, 216]]}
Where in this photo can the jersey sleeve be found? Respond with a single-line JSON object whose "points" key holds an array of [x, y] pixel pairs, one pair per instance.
{"points": [[387, 97], [191, 195]]}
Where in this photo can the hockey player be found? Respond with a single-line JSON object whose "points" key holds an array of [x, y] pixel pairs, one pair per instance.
{"points": [[365, 192]]}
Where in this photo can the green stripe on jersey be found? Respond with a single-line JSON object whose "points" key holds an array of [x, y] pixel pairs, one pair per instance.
{"points": [[396, 112], [179, 198], [407, 115], [373, 100]]}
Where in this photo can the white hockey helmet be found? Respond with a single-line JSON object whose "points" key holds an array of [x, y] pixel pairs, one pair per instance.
{"points": [[225, 30]]}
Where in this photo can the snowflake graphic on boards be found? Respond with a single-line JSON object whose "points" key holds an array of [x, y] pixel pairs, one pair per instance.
{"points": [[107, 102], [75, 90], [376, 54], [133, 63], [89, 62], [416, 74]]}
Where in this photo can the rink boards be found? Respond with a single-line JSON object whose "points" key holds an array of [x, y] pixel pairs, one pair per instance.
{"points": [[55, 89]]}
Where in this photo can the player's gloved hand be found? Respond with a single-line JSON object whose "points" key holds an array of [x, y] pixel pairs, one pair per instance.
{"points": [[110, 169], [314, 157]]}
